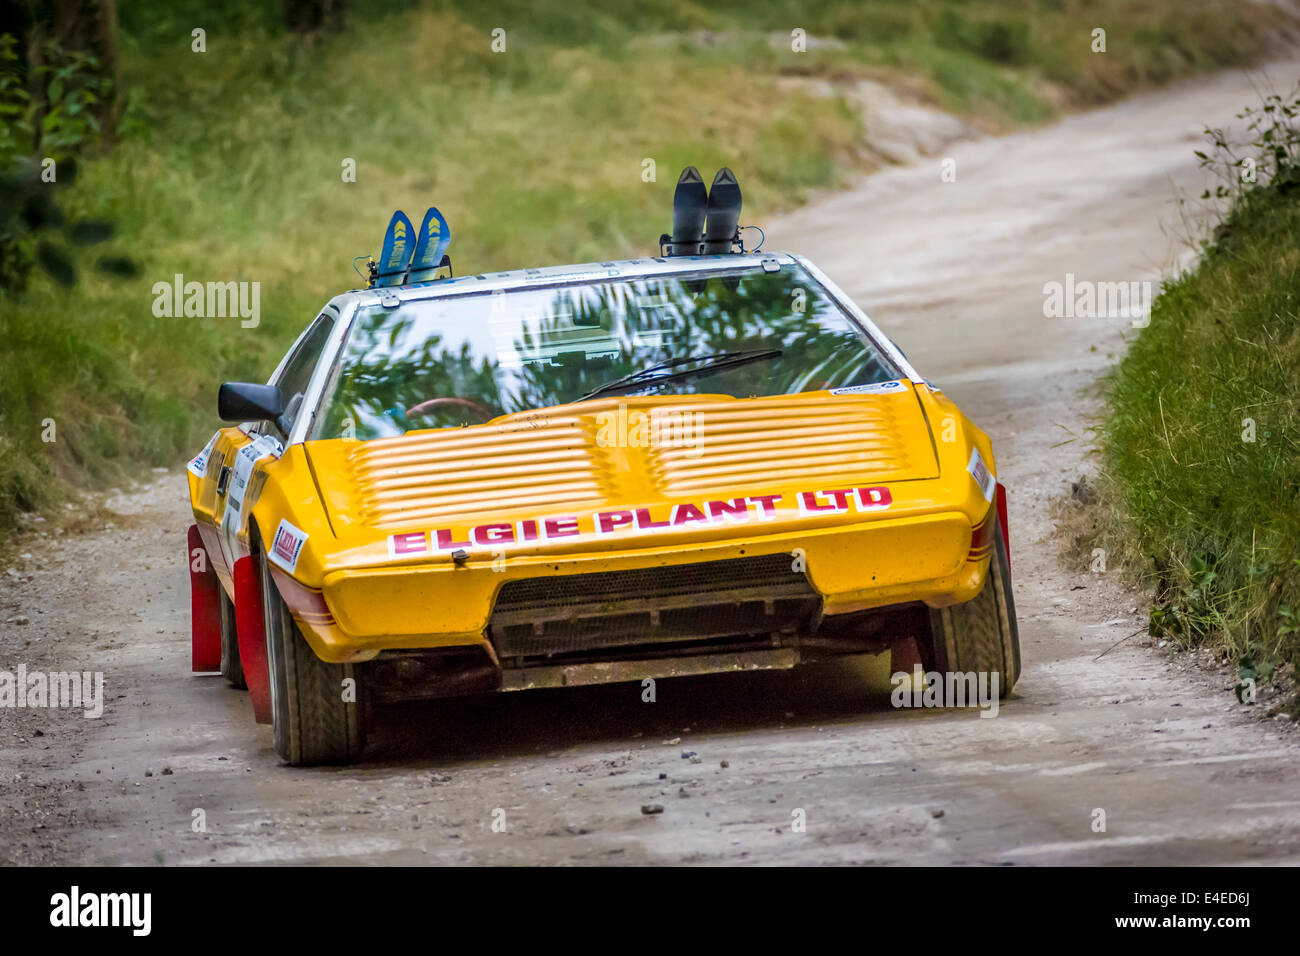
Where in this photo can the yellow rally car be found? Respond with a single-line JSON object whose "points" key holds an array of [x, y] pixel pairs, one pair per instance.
{"points": [[607, 472]]}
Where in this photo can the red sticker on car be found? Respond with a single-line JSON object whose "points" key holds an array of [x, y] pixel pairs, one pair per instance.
{"points": [[495, 534], [287, 546]]}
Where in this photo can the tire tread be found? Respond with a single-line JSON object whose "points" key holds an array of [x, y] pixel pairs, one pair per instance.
{"points": [[982, 635]]}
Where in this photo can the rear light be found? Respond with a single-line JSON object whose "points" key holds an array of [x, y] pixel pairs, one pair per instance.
{"points": [[1002, 521], [306, 604], [981, 537], [995, 522]]}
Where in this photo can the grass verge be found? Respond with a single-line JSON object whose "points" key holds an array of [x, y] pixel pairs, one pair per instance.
{"points": [[1201, 446]]}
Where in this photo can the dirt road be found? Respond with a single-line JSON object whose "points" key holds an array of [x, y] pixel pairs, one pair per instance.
{"points": [[955, 272]]}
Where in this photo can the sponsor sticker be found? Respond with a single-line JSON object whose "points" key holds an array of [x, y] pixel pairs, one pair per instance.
{"points": [[876, 388], [980, 472], [701, 514], [249, 455], [199, 463], [287, 545]]}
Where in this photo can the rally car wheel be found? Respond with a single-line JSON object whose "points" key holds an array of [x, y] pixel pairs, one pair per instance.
{"points": [[981, 635], [231, 667], [317, 708]]}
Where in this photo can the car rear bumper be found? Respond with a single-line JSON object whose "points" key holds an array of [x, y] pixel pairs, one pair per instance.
{"points": [[529, 608]]}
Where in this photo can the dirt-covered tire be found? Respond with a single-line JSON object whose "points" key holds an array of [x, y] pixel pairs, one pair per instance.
{"points": [[981, 635], [314, 719], [231, 667]]}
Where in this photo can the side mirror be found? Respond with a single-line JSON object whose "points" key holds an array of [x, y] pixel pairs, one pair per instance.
{"points": [[248, 401]]}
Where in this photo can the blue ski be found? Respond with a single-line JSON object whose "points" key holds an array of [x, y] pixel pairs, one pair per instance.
{"points": [[396, 254], [430, 247]]}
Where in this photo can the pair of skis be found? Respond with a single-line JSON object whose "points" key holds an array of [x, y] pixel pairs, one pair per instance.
{"points": [[705, 221], [401, 262]]}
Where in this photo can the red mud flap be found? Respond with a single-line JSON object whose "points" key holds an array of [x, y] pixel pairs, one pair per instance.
{"points": [[1002, 522], [251, 629], [205, 608]]}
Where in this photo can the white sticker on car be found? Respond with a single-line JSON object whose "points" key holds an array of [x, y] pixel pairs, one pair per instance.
{"points": [[199, 463], [287, 545], [983, 477], [876, 388], [248, 456]]}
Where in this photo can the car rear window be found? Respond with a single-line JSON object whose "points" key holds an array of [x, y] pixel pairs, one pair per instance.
{"points": [[444, 362]]}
